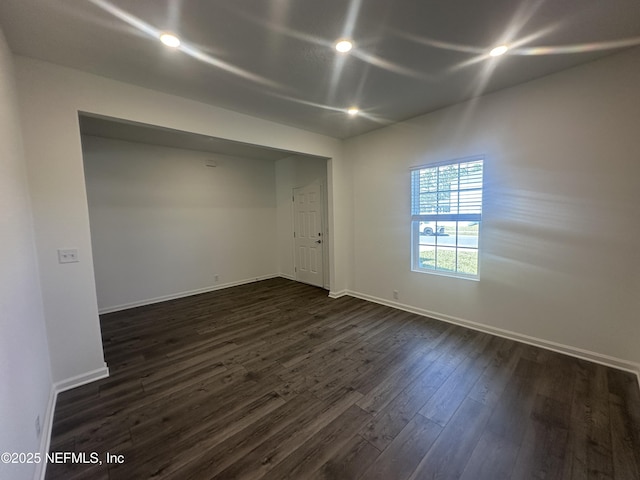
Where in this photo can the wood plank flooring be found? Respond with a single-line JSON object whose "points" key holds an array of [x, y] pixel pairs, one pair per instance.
{"points": [[274, 380]]}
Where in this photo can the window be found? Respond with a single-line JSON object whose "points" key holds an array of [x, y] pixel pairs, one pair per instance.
{"points": [[446, 213]]}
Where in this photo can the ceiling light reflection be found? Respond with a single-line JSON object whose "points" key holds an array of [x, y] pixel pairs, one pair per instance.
{"points": [[431, 42], [189, 50], [170, 40], [578, 48], [343, 46], [374, 118], [391, 67], [499, 50]]}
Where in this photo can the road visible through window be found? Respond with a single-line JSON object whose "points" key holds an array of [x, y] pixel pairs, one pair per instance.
{"points": [[446, 215]]}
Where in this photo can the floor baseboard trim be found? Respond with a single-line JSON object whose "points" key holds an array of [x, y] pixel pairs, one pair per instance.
{"points": [[45, 438], [339, 293], [82, 379], [602, 359], [188, 293], [56, 389]]}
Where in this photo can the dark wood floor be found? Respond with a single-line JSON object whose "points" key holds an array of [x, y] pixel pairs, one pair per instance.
{"points": [[274, 380]]}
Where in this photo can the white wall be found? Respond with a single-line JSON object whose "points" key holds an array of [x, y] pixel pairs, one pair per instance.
{"points": [[293, 172], [25, 377], [559, 243], [165, 224], [50, 98]]}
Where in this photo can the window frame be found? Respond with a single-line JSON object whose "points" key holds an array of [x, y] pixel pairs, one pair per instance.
{"points": [[416, 219]]}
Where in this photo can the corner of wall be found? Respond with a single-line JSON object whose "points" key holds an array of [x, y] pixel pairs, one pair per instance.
{"points": [[45, 439], [56, 389]]}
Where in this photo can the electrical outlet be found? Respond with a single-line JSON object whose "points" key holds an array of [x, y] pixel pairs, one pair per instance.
{"points": [[395, 294], [68, 255], [38, 426]]}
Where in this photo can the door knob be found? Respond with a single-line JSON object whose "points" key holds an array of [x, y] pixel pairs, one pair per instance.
{"points": [[318, 241]]}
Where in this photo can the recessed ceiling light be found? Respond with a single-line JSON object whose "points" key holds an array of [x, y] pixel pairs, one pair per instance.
{"points": [[170, 40], [343, 46], [353, 111], [499, 50]]}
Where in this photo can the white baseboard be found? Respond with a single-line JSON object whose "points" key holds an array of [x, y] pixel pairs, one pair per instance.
{"points": [[82, 379], [602, 359], [45, 435], [293, 278], [173, 296], [340, 293], [57, 388]]}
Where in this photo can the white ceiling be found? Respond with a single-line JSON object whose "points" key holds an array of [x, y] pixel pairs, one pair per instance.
{"points": [[273, 59], [112, 128]]}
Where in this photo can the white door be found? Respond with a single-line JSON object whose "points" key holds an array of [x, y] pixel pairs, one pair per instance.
{"points": [[307, 232]]}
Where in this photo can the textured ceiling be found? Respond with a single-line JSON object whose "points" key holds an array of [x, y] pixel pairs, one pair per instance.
{"points": [[273, 59]]}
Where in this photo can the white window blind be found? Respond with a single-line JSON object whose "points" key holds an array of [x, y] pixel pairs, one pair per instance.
{"points": [[446, 214]]}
